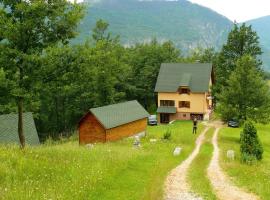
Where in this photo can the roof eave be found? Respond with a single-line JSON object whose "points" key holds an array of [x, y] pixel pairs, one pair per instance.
{"points": [[108, 128]]}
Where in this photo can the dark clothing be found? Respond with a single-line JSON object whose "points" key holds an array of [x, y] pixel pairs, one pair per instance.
{"points": [[194, 126], [194, 130]]}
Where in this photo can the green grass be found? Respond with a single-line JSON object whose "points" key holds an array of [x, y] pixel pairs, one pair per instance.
{"points": [[255, 178], [197, 174], [114, 171]]}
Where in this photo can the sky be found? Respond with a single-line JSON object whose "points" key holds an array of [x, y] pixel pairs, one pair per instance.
{"points": [[238, 10]]}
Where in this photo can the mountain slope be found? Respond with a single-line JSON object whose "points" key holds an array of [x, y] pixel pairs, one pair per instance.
{"points": [[262, 26], [187, 25]]}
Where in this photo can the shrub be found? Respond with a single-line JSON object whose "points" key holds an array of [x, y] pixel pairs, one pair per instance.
{"points": [[167, 135], [250, 145]]}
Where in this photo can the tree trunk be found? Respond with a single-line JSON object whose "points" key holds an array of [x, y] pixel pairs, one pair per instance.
{"points": [[20, 122], [20, 113]]}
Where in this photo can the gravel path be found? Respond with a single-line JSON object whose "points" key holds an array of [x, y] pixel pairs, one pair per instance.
{"points": [[176, 186], [222, 186]]}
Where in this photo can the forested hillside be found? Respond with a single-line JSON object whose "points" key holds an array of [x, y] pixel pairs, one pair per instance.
{"points": [[187, 25]]}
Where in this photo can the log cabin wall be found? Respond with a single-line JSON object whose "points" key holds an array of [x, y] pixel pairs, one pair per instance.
{"points": [[90, 130], [126, 130]]}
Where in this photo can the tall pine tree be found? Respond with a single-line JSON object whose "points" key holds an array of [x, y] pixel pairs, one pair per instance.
{"points": [[242, 40], [246, 95]]}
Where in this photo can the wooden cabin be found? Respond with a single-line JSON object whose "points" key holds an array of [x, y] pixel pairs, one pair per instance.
{"points": [[113, 122]]}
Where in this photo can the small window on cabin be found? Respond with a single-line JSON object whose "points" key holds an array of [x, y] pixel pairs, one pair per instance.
{"points": [[184, 104], [166, 103], [184, 115], [184, 91]]}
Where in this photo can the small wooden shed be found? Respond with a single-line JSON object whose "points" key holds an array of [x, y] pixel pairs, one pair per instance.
{"points": [[112, 122]]}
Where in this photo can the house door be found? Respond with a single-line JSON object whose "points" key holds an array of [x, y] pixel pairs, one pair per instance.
{"points": [[164, 118]]}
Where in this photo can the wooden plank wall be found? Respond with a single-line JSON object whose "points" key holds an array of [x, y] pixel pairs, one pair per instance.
{"points": [[126, 130], [90, 130]]}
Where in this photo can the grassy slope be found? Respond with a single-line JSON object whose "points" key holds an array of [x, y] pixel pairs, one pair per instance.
{"points": [[198, 171], [113, 171], [255, 178]]}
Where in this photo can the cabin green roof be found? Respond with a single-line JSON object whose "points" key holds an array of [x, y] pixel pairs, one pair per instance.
{"points": [[166, 109], [174, 75], [118, 114], [9, 129]]}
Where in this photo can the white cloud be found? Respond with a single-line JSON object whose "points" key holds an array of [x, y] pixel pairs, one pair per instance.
{"points": [[239, 10]]}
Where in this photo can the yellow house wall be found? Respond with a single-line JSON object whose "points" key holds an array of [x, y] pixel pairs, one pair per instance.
{"points": [[198, 103], [210, 90]]}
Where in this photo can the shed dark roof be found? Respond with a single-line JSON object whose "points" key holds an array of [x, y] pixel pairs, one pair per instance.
{"points": [[166, 109], [118, 114], [173, 75], [9, 129]]}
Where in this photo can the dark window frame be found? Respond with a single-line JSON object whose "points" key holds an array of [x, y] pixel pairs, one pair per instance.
{"points": [[184, 91], [169, 103], [184, 104]]}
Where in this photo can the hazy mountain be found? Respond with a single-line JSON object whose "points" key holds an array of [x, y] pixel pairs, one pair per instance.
{"points": [[262, 26], [187, 25]]}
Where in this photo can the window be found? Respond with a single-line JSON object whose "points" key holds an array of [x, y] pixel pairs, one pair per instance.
{"points": [[184, 104], [166, 103], [184, 91]]}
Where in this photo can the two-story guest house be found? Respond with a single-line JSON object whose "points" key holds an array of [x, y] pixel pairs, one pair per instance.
{"points": [[184, 91]]}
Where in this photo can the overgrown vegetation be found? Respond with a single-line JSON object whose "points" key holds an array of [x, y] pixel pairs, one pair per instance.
{"points": [[113, 171], [251, 147]]}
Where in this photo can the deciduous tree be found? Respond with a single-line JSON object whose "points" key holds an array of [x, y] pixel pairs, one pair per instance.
{"points": [[26, 29]]}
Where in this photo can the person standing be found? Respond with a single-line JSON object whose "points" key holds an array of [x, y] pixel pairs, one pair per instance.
{"points": [[195, 122]]}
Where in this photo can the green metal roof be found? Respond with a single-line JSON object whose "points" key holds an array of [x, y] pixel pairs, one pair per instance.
{"points": [[9, 129], [185, 80], [173, 75], [118, 114], [166, 109]]}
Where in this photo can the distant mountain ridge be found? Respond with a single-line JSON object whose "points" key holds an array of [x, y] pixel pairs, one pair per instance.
{"points": [[188, 25]]}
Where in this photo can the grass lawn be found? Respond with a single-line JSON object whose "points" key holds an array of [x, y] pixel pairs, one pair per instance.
{"points": [[114, 171], [254, 178], [197, 174]]}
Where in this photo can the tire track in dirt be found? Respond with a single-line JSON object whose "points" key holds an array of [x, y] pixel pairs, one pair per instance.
{"points": [[176, 186], [223, 187]]}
